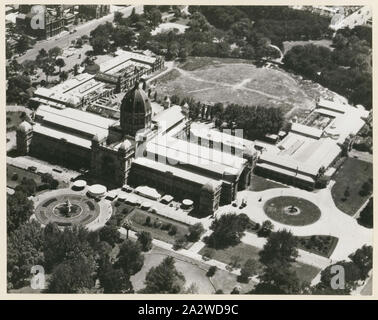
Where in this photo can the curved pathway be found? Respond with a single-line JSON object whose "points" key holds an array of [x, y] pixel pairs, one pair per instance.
{"points": [[332, 221]]}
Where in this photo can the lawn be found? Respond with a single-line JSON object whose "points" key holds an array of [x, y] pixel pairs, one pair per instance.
{"points": [[260, 184], [352, 173], [234, 81], [193, 270], [12, 171], [278, 209], [138, 218], [23, 173], [244, 251]]}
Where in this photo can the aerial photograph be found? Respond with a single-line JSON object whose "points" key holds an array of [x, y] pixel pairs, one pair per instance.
{"points": [[186, 149]]}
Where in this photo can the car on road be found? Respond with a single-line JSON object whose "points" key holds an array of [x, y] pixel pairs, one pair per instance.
{"points": [[32, 169]]}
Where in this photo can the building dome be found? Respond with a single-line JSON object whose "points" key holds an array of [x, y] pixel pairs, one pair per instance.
{"points": [[92, 68], [136, 101], [136, 110], [25, 126], [125, 145], [96, 138]]}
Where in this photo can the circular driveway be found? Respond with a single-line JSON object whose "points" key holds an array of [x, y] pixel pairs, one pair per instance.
{"points": [[332, 221]]}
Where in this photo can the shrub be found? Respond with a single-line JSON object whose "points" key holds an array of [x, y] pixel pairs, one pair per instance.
{"points": [[195, 232], [207, 254], [172, 231], [179, 243], [166, 226], [145, 240], [211, 271], [15, 177], [148, 221]]}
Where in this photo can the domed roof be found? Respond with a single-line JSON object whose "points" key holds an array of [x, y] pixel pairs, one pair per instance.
{"points": [[96, 138], [92, 68], [25, 126], [136, 101], [124, 145]]}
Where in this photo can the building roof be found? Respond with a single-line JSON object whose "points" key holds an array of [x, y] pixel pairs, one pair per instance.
{"points": [[198, 156], [123, 59], [168, 118], [87, 123], [334, 106], [306, 130], [178, 172], [236, 140], [60, 135]]}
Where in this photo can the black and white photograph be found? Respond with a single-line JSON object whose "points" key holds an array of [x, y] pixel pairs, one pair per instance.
{"points": [[189, 149]]}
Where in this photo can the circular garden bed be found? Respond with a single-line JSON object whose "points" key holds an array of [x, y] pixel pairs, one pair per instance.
{"points": [[292, 211], [67, 210]]}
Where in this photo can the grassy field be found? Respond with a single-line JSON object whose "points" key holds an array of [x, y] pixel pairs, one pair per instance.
{"points": [[194, 272], [275, 209], [234, 81], [353, 173], [12, 170], [245, 252], [22, 173], [138, 218]]}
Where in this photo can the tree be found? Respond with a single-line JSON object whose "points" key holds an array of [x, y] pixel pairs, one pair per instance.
{"points": [[117, 17], [28, 186], [164, 278], [250, 268], [145, 240], [49, 179], [22, 44], [195, 232], [277, 279], [155, 17], [127, 224], [75, 69], [280, 249], [60, 63], [48, 69], [63, 75], [266, 228], [122, 36], [227, 230], [54, 52], [130, 258], [72, 276], [211, 271], [110, 234], [363, 259], [100, 44], [24, 250], [114, 280]]}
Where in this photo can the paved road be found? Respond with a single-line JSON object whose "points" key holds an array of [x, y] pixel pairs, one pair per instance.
{"points": [[64, 40]]}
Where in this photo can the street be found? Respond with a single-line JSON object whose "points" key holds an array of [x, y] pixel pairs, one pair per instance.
{"points": [[64, 39]]}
